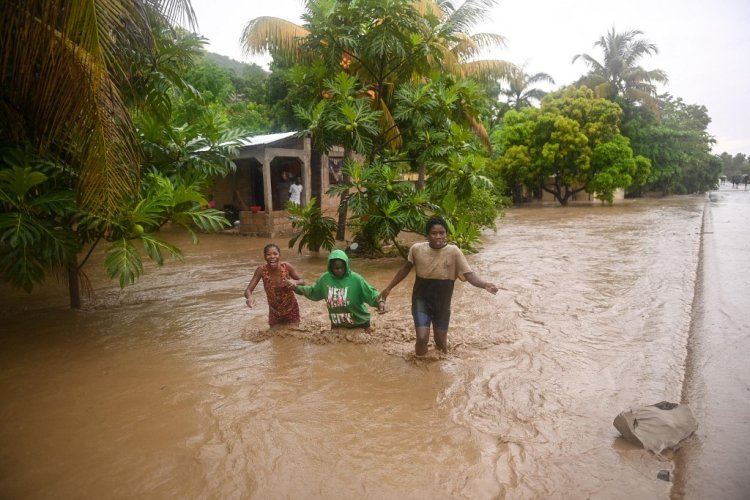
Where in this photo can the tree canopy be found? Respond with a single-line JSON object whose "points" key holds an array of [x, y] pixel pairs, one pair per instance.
{"points": [[675, 138], [390, 81], [572, 143]]}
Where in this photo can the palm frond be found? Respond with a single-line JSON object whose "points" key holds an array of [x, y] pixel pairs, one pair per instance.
{"points": [[387, 123], [490, 69], [488, 41], [177, 12], [592, 63], [279, 37], [465, 48], [468, 15], [620, 69], [539, 78], [442, 56], [479, 130], [57, 74]]}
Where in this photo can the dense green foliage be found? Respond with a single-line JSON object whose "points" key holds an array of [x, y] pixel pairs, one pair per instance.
{"points": [[95, 152], [662, 144], [133, 120], [669, 133], [235, 92], [677, 142], [572, 143], [391, 82], [738, 164], [313, 230]]}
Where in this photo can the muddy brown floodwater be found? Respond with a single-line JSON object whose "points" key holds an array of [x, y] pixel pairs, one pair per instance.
{"points": [[172, 388]]}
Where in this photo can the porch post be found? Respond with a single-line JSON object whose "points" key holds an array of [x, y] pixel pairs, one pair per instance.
{"points": [[306, 170], [267, 194]]}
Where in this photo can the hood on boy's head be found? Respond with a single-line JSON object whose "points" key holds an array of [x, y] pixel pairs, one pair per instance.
{"points": [[340, 255]]}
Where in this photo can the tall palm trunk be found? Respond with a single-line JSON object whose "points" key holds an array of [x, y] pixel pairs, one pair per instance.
{"points": [[74, 283], [421, 177]]}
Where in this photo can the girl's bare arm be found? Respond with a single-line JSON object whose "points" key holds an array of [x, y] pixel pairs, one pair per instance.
{"points": [[298, 280], [402, 273], [249, 290]]}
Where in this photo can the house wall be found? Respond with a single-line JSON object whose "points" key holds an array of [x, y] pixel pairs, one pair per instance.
{"points": [[240, 189], [584, 197], [265, 224], [263, 176], [581, 197]]}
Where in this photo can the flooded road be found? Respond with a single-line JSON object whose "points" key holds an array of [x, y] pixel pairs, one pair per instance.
{"points": [[173, 388], [718, 382]]}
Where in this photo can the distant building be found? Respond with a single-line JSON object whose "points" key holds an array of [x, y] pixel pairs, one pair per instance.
{"points": [[257, 192]]}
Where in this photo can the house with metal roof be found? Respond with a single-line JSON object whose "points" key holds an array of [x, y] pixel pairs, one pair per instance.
{"points": [[257, 192]]}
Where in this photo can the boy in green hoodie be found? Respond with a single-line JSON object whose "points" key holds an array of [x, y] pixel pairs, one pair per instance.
{"points": [[346, 293]]}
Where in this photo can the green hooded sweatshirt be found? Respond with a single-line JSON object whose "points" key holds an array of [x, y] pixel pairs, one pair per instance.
{"points": [[345, 297]]}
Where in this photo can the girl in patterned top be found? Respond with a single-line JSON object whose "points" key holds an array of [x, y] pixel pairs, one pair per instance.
{"points": [[277, 277]]}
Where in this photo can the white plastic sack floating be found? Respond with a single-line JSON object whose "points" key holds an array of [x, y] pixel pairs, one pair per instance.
{"points": [[657, 427]]}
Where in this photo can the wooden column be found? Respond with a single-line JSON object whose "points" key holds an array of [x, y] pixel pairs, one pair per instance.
{"points": [[306, 170]]}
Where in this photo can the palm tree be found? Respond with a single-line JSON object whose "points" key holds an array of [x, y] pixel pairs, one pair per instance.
{"points": [[521, 91], [405, 40], [457, 46], [62, 81], [66, 83], [618, 73]]}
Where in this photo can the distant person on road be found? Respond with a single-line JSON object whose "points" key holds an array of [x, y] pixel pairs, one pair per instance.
{"points": [[278, 281], [437, 265]]}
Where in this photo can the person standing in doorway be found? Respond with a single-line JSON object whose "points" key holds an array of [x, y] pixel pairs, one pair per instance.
{"points": [[295, 191], [437, 265]]}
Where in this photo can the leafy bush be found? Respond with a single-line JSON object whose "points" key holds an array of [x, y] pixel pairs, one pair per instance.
{"points": [[313, 230]]}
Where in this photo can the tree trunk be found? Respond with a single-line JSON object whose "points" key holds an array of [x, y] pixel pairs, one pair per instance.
{"points": [[341, 228], [343, 208], [74, 283]]}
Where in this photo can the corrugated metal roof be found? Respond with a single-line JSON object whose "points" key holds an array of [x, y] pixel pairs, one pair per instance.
{"points": [[260, 140]]}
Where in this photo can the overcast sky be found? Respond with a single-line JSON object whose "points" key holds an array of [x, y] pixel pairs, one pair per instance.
{"points": [[704, 45]]}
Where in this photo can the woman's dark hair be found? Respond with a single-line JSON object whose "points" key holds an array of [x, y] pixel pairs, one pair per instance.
{"points": [[435, 221], [271, 245]]}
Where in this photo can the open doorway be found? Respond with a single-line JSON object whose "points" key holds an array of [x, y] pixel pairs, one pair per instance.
{"points": [[284, 171]]}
